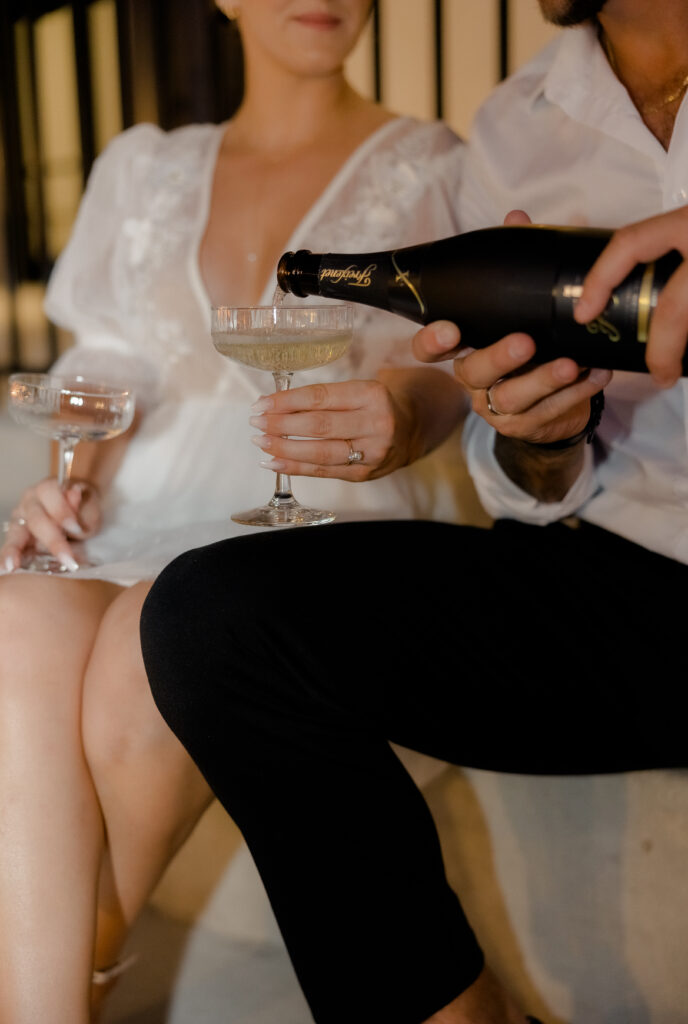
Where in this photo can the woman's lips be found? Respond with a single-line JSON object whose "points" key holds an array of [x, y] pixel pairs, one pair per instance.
{"points": [[315, 20]]}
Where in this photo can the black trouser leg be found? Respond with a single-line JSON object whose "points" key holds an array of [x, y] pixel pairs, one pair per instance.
{"points": [[255, 654]]}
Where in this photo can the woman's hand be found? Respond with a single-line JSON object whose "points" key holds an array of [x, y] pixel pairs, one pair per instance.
{"points": [[48, 518], [313, 430]]}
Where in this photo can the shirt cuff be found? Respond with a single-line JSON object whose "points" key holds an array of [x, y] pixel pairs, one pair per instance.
{"points": [[501, 497]]}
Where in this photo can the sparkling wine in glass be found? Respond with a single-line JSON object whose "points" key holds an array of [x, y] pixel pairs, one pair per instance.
{"points": [[283, 339], [67, 410]]}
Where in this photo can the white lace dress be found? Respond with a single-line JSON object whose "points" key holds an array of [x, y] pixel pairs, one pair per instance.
{"points": [[128, 285]]}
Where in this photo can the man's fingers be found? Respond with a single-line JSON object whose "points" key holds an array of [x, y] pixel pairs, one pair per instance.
{"points": [[481, 368], [517, 217], [436, 342], [637, 243], [667, 342]]}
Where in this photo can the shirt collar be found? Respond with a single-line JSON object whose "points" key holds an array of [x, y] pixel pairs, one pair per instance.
{"points": [[580, 81]]}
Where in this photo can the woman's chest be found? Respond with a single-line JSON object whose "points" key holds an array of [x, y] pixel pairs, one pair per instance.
{"points": [[254, 210]]}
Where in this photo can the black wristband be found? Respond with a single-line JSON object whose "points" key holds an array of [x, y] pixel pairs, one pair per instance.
{"points": [[588, 431]]}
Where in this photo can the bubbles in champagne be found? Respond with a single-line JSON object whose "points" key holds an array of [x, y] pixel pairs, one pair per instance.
{"points": [[285, 351]]}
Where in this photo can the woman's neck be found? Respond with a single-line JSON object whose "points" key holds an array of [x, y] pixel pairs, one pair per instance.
{"points": [[281, 114]]}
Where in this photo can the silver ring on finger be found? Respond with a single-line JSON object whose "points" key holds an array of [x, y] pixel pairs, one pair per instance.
{"points": [[354, 455], [17, 521], [489, 397]]}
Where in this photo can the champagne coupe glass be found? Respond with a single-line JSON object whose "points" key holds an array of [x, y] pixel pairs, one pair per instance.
{"points": [[67, 410], [283, 339]]}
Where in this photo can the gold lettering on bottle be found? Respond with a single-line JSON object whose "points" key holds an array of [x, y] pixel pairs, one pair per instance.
{"points": [[357, 277], [602, 326], [403, 278]]}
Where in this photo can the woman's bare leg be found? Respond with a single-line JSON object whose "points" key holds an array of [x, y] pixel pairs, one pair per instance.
{"points": [[51, 834], [484, 1002], [150, 792]]}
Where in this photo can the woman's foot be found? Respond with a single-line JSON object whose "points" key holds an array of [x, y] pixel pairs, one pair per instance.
{"points": [[104, 979]]}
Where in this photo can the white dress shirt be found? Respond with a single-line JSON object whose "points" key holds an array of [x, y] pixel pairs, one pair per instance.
{"points": [[562, 140]]}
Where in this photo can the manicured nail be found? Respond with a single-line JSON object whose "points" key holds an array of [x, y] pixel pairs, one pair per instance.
{"points": [[259, 422], [9, 564], [67, 561], [262, 405], [276, 465], [71, 526], [261, 441]]}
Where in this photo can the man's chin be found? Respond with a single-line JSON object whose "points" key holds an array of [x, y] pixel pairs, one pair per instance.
{"points": [[570, 12]]}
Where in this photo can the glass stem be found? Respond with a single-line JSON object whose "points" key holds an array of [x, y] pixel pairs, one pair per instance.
{"points": [[64, 472], [282, 495]]}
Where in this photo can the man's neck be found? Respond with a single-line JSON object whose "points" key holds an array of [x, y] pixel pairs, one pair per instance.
{"points": [[647, 46]]}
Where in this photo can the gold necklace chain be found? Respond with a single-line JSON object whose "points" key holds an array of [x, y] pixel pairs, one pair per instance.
{"points": [[648, 108]]}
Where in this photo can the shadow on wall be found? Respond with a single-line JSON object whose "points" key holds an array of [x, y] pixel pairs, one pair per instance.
{"points": [[577, 888]]}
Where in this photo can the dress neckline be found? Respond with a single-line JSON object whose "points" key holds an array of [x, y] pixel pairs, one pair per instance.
{"points": [[205, 195]]}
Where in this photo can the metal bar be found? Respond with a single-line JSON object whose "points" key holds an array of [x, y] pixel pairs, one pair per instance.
{"points": [[42, 263], [14, 202], [503, 38], [125, 63], [82, 53], [377, 58], [439, 64]]}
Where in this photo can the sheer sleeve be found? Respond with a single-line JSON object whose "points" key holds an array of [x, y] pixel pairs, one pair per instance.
{"points": [[86, 294]]}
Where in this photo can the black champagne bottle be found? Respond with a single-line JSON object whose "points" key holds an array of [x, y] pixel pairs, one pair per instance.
{"points": [[493, 282]]}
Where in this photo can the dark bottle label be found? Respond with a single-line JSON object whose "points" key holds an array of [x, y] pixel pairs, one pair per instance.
{"points": [[380, 281], [617, 337]]}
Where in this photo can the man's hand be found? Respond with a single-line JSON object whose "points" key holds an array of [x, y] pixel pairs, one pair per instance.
{"points": [[643, 242], [545, 403], [527, 406]]}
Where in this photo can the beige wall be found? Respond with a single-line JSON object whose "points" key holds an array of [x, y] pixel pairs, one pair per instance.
{"points": [[469, 51]]}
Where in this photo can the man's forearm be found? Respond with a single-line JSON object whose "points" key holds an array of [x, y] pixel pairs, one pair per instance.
{"points": [[546, 474]]}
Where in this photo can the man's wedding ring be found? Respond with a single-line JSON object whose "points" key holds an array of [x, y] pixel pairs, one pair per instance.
{"points": [[354, 455], [490, 400]]}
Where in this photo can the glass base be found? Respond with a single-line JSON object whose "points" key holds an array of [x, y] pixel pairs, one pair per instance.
{"points": [[46, 563], [284, 513]]}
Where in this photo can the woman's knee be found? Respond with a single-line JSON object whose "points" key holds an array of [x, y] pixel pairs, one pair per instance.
{"points": [[47, 628], [120, 720]]}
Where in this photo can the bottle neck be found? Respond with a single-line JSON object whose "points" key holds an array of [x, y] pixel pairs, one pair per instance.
{"points": [[297, 272]]}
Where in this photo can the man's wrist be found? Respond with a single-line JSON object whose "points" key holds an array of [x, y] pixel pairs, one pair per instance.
{"points": [[586, 434]]}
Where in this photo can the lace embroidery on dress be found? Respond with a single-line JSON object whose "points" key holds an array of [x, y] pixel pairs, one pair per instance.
{"points": [[152, 250]]}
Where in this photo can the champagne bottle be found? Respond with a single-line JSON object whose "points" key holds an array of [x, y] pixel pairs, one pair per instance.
{"points": [[496, 281]]}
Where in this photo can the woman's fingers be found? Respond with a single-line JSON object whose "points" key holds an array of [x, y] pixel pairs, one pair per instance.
{"points": [[313, 430], [341, 395], [45, 517]]}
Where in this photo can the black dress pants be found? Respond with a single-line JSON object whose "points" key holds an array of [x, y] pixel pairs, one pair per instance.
{"points": [[286, 662]]}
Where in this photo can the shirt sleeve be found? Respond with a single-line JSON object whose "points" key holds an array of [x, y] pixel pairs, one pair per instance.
{"points": [[83, 296], [500, 496]]}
